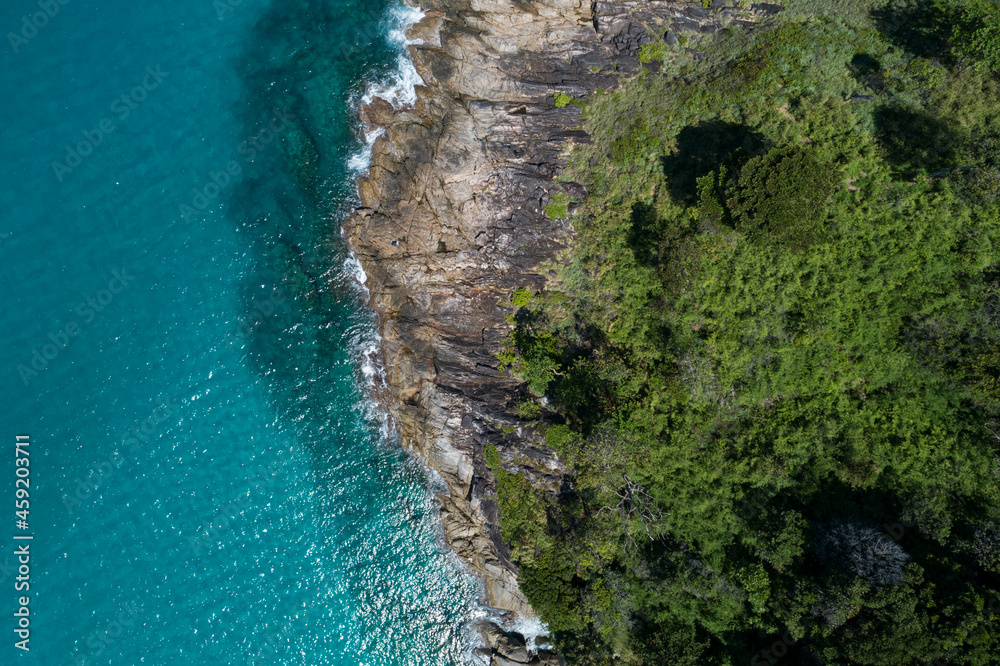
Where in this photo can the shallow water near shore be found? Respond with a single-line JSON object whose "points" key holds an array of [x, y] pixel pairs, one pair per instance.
{"points": [[186, 343]]}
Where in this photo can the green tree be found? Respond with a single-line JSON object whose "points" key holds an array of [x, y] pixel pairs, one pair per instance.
{"points": [[976, 33], [783, 196]]}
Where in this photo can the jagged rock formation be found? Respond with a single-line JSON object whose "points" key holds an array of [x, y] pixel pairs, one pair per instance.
{"points": [[452, 220]]}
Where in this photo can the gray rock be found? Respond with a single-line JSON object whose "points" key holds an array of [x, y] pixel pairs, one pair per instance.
{"points": [[547, 658], [513, 647], [499, 660], [766, 8]]}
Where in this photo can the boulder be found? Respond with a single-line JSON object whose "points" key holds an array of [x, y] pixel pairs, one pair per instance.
{"points": [[513, 647], [377, 114]]}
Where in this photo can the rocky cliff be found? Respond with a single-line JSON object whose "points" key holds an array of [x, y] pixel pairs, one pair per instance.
{"points": [[452, 220]]}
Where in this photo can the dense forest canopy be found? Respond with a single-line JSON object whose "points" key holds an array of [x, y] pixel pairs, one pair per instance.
{"points": [[772, 360]]}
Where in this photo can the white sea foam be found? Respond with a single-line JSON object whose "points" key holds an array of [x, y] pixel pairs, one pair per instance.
{"points": [[354, 268], [398, 87], [403, 18], [531, 628], [361, 160], [366, 349]]}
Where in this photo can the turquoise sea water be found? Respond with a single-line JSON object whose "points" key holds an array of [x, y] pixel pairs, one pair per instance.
{"points": [[185, 341]]}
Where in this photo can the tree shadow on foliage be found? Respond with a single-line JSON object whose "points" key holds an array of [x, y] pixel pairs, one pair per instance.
{"points": [[921, 27], [867, 71], [645, 235], [915, 140], [703, 148]]}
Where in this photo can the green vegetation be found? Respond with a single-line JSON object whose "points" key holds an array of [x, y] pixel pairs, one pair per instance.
{"points": [[772, 362], [976, 34], [514, 493], [559, 208], [562, 99], [655, 51]]}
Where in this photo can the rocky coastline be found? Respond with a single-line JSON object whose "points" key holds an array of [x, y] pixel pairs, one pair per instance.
{"points": [[452, 220]]}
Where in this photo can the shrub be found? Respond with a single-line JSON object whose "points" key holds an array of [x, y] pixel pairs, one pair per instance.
{"points": [[986, 547], [634, 144], [653, 52], [531, 352], [520, 298], [711, 208], [559, 208], [783, 195], [522, 516], [528, 409], [559, 437]]}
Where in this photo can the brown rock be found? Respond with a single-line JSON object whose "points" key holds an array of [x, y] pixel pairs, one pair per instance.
{"points": [[378, 113]]}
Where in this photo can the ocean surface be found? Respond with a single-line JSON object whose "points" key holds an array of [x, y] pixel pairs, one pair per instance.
{"points": [[185, 341]]}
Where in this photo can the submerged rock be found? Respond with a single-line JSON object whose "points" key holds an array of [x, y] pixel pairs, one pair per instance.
{"points": [[299, 148]]}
